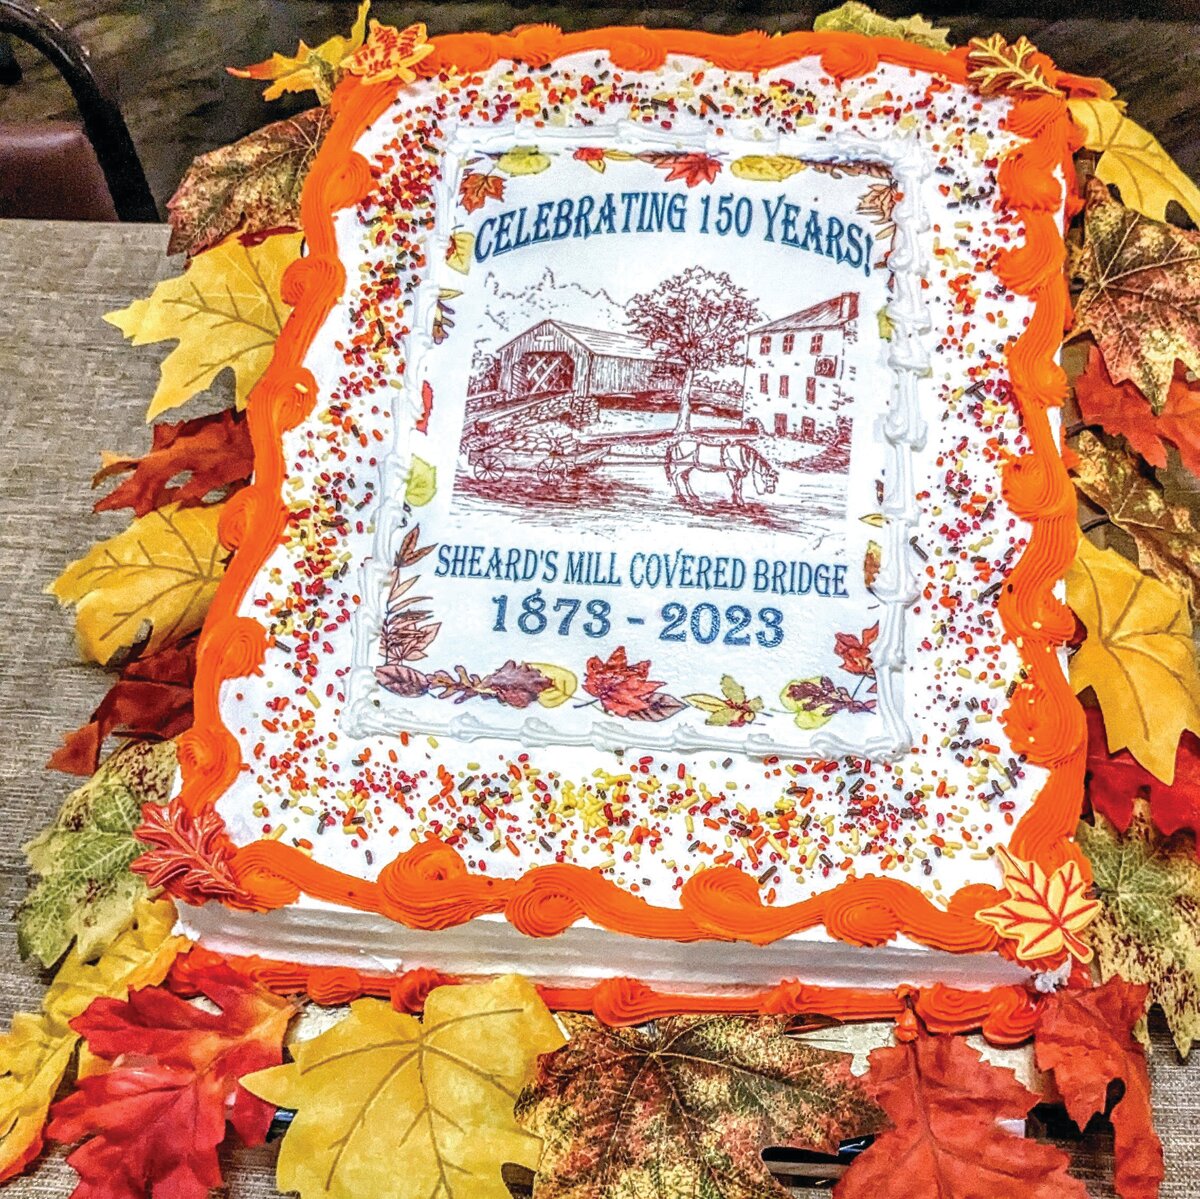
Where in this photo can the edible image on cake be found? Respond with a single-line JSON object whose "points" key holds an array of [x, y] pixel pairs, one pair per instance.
{"points": [[659, 387]]}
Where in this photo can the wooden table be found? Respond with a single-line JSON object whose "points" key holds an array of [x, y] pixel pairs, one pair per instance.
{"points": [[69, 388]]}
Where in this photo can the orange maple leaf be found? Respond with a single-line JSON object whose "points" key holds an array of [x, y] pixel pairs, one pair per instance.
{"points": [[390, 53], [1043, 914], [476, 189]]}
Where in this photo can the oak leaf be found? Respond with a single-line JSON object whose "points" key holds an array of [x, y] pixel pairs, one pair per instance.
{"points": [[1138, 656], [1168, 543], [625, 688], [390, 53], [1139, 279], [1120, 408], [146, 587], [1148, 930], [86, 891], [945, 1140], [1084, 1039], [152, 698], [310, 68], [35, 1054], [187, 854], [997, 68], [1133, 160], [249, 187], [225, 311], [1044, 914], [389, 1105], [151, 1122], [684, 1107], [188, 461], [854, 17]]}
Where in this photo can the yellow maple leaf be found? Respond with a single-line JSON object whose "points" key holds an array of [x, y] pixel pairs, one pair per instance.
{"points": [[225, 310], [1138, 656], [389, 1105], [35, 1053], [1043, 914], [309, 69], [1133, 160], [152, 582]]}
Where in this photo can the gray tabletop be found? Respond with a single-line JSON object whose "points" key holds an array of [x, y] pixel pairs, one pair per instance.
{"points": [[71, 388]]}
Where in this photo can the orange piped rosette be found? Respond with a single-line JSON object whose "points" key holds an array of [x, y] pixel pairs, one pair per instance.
{"points": [[429, 886]]}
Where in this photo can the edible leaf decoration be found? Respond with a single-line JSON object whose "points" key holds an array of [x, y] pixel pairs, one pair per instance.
{"points": [[853, 17], [1148, 930], [309, 69], [152, 698], [1133, 160], [35, 1054], [684, 1107], [624, 688], [1121, 408], [944, 1104], [86, 891], [148, 585], [188, 461], [731, 709], [996, 68], [1139, 282], [225, 311], [248, 187], [387, 1105], [1044, 914], [1083, 1037], [153, 1120], [390, 53], [1138, 656], [1168, 543], [188, 854]]}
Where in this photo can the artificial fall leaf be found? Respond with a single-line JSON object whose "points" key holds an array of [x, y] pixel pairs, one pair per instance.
{"points": [[1133, 160], [1168, 543], [389, 1105], [996, 68], [944, 1104], [35, 1054], [1084, 1038], [1138, 656], [1044, 914], [1115, 781], [853, 17], [86, 891], [390, 53], [684, 1107], [309, 69], [248, 187], [1140, 278], [1120, 408], [1148, 930], [146, 587], [153, 1120], [152, 698], [188, 461], [225, 311]]}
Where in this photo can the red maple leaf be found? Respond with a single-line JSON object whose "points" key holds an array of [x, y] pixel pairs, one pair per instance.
{"points": [[188, 855], [623, 688], [944, 1102], [1121, 408], [589, 154], [855, 652], [476, 189], [210, 454], [153, 1121], [152, 698], [692, 168], [1116, 780], [1084, 1037]]}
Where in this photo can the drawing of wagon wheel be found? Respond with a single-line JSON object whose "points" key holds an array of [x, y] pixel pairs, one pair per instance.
{"points": [[557, 459], [489, 466]]}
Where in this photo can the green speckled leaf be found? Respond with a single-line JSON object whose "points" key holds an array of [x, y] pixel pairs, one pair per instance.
{"points": [[86, 890]]}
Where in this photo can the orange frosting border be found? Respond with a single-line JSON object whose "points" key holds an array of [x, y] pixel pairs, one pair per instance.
{"points": [[429, 886], [1004, 1015]]}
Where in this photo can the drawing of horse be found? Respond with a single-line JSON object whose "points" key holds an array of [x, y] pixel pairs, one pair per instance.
{"points": [[735, 459]]}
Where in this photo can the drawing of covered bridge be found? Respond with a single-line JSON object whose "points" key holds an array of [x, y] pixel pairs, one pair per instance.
{"points": [[560, 371]]}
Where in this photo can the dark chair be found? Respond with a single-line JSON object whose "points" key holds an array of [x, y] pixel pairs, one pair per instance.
{"points": [[55, 169]]}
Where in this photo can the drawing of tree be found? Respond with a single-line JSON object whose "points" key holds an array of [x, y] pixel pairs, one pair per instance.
{"points": [[698, 318]]}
